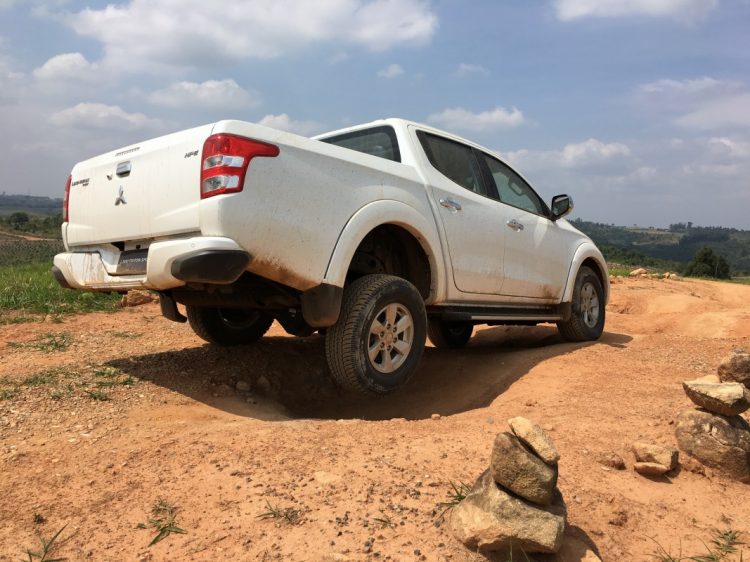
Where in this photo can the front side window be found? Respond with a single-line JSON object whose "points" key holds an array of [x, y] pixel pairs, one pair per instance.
{"points": [[454, 160], [378, 141], [512, 189]]}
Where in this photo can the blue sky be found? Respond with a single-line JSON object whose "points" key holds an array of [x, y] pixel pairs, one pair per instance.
{"points": [[640, 109]]}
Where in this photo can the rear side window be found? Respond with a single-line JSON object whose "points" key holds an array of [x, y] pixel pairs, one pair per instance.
{"points": [[454, 160], [378, 141]]}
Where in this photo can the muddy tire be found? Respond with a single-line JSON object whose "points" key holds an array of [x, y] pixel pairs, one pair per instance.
{"points": [[586, 321], [379, 338], [228, 326], [450, 335]]}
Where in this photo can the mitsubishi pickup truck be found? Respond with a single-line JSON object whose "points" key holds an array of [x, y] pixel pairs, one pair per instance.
{"points": [[378, 236]]}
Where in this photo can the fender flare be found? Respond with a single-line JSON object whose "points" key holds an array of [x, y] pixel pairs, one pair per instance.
{"points": [[587, 250], [379, 213]]}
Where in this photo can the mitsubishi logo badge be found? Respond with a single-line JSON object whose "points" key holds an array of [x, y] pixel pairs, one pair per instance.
{"points": [[121, 198]]}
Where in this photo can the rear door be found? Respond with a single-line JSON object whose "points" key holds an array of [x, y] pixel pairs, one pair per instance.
{"points": [[472, 221]]}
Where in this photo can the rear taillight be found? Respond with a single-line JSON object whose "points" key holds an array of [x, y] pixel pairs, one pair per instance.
{"points": [[225, 160], [67, 199]]}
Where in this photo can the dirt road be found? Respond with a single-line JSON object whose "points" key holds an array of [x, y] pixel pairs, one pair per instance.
{"points": [[104, 414]]}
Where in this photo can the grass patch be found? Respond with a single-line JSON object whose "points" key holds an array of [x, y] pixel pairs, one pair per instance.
{"points": [[385, 521], [164, 515], [98, 395], [41, 378], [289, 514], [8, 393], [46, 552], [30, 289], [724, 547], [47, 342], [458, 493]]}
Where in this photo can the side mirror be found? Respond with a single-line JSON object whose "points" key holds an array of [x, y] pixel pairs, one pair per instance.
{"points": [[561, 206]]}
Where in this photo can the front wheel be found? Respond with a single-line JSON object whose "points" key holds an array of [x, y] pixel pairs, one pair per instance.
{"points": [[228, 326], [586, 321], [379, 338]]}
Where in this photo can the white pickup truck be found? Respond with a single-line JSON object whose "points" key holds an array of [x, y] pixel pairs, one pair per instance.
{"points": [[378, 235]]}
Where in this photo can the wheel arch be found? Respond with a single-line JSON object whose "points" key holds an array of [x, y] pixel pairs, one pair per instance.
{"points": [[388, 214], [587, 254]]}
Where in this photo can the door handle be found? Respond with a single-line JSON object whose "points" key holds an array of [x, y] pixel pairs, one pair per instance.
{"points": [[515, 225], [450, 204]]}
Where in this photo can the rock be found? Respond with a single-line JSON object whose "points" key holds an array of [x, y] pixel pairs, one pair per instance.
{"points": [[517, 469], [435, 416], [736, 368], [574, 550], [243, 386], [650, 468], [649, 453], [612, 460], [727, 398], [717, 441], [490, 519], [637, 272], [137, 298], [536, 438]]}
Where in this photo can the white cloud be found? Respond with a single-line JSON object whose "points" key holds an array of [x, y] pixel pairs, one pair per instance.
{"points": [[102, 116], [590, 154], [5, 4], [466, 69], [147, 33], [591, 151], [391, 71], [725, 112], [460, 119], [214, 94], [681, 10], [701, 103], [284, 123], [66, 66]]}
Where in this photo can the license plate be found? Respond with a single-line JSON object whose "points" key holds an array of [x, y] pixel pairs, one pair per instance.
{"points": [[132, 262]]}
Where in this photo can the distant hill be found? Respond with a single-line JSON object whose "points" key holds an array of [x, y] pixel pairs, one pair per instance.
{"points": [[32, 204], [671, 248]]}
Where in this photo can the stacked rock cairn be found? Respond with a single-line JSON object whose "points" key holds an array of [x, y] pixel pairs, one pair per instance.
{"points": [[515, 504], [716, 434]]}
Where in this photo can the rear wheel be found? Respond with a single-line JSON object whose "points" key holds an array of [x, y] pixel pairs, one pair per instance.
{"points": [[379, 338], [586, 321], [228, 326], [450, 335]]}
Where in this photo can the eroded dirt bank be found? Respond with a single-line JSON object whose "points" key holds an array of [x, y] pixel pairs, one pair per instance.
{"points": [[122, 409]]}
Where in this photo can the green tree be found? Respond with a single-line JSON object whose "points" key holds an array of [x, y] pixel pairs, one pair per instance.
{"points": [[706, 263], [18, 219]]}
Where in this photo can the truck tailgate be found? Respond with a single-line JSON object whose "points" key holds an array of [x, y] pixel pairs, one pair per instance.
{"points": [[139, 192]]}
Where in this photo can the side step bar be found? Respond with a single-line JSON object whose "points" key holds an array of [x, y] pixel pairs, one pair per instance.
{"points": [[503, 314]]}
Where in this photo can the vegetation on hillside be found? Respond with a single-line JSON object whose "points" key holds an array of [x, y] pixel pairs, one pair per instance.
{"points": [[671, 248], [31, 204], [708, 264]]}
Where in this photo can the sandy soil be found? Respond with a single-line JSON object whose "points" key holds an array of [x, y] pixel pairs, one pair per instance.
{"points": [[362, 479]]}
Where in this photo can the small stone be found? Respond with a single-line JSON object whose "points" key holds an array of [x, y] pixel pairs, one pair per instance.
{"points": [[243, 386], [137, 298], [736, 368], [650, 468], [637, 272], [435, 416], [655, 454], [535, 438], [519, 470], [727, 399], [612, 460]]}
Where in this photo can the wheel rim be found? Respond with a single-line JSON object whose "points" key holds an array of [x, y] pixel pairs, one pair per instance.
{"points": [[589, 305], [390, 339], [238, 319]]}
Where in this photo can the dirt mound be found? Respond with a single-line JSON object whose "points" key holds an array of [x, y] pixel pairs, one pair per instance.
{"points": [[105, 414]]}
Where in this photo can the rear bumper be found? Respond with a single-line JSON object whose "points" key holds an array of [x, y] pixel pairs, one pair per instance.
{"points": [[170, 264]]}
